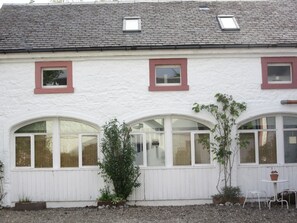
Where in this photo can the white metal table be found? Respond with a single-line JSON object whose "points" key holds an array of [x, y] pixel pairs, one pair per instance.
{"points": [[275, 199]]}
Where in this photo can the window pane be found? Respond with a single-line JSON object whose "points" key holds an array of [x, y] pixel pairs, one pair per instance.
{"points": [[137, 143], [267, 147], [248, 153], [279, 73], [89, 150], [290, 139], [228, 23], [132, 24], [202, 154], [75, 127], [69, 150], [181, 149], [155, 149], [23, 151], [261, 123], [290, 122], [54, 77], [37, 127], [43, 151], [149, 126], [168, 74], [187, 125]]}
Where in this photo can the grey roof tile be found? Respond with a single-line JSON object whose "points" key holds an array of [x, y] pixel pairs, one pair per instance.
{"points": [[176, 24]]}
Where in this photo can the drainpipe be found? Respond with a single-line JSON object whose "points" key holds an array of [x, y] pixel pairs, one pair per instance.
{"points": [[288, 102]]}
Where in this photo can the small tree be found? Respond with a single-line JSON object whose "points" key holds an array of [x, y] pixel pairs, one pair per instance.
{"points": [[117, 165], [226, 111]]}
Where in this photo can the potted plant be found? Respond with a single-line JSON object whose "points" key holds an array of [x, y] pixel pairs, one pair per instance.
{"points": [[108, 199], [274, 175], [228, 194]]}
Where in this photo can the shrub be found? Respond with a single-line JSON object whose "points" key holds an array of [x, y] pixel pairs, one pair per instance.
{"points": [[117, 165], [2, 194], [228, 194]]}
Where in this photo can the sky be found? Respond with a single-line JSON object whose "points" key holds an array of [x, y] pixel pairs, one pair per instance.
{"points": [[27, 1], [22, 1]]}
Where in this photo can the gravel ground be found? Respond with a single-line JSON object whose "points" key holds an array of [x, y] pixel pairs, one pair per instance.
{"points": [[195, 213]]}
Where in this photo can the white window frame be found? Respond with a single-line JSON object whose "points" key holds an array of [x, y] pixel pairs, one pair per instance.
{"points": [[56, 146], [279, 131], [193, 133], [144, 154], [255, 133], [32, 149], [80, 155], [280, 64], [53, 69], [168, 84], [282, 137], [168, 139], [222, 24], [257, 155], [126, 21]]}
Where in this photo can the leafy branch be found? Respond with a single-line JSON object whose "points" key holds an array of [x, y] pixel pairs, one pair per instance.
{"points": [[225, 112]]}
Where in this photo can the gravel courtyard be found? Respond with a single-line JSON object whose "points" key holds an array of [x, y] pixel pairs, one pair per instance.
{"points": [[195, 213]]}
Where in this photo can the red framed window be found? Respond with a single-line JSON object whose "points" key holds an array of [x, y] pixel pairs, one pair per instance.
{"points": [[279, 72], [53, 77], [168, 75]]}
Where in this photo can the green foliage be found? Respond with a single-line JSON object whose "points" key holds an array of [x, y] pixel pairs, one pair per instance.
{"points": [[226, 111], [117, 165], [1, 169], [2, 194], [24, 199], [229, 194], [106, 195]]}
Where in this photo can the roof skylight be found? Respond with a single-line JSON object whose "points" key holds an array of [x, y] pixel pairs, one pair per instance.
{"points": [[203, 8], [132, 24], [228, 22]]}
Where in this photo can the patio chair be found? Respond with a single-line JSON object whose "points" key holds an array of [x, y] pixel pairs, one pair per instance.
{"points": [[288, 192], [259, 196]]}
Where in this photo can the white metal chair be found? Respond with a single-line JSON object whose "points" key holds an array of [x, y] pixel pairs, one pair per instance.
{"points": [[289, 191], [259, 196]]}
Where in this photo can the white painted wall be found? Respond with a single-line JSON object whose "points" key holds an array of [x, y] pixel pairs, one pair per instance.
{"points": [[115, 84]]}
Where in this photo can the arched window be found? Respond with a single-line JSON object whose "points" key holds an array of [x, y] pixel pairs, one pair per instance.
{"points": [[290, 139], [271, 140], [261, 136], [56, 143], [156, 137]]}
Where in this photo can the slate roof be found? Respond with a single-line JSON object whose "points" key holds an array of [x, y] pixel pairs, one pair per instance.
{"points": [[75, 27]]}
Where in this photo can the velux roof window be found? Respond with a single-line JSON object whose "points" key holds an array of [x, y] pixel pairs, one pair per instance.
{"points": [[228, 22], [132, 24]]}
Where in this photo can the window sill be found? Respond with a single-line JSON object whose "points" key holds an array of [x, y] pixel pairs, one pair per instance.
{"points": [[278, 86], [169, 88], [30, 169], [53, 90]]}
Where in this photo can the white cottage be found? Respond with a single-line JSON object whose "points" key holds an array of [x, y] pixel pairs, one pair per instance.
{"points": [[67, 69]]}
